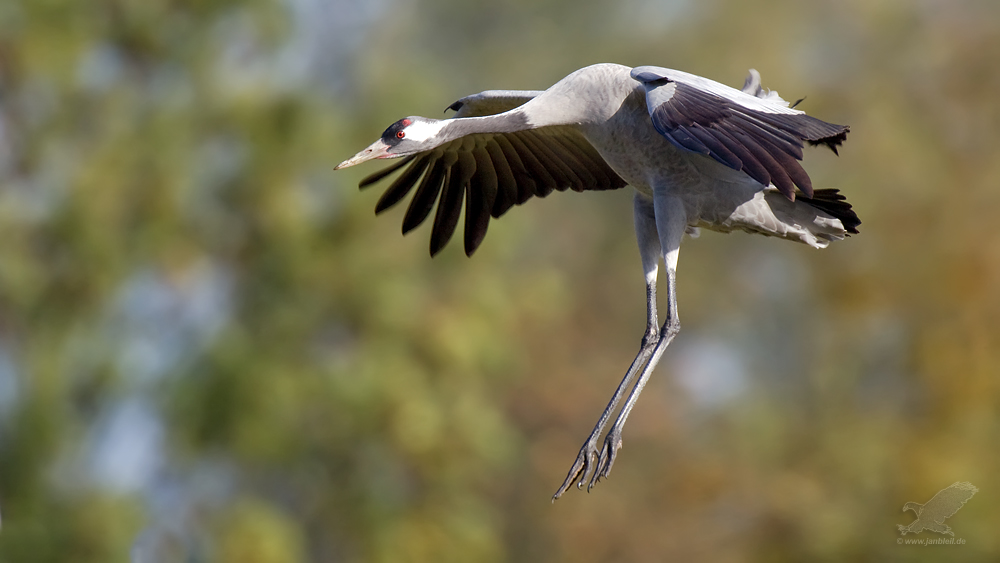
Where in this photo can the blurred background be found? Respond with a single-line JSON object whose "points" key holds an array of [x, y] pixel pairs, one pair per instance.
{"points": [[211, 350]]}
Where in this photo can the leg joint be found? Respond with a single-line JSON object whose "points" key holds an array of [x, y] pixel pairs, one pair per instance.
{"points": [[670, 328], [651, 337]]}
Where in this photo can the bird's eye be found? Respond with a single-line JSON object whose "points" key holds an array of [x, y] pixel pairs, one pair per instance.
{"points": [[400, 134]]}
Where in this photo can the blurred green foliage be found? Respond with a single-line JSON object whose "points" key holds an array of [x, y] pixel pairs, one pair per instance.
{"points": [[211, 351]]}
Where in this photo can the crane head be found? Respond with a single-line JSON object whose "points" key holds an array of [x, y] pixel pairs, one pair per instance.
{"points": [[405, 137]]}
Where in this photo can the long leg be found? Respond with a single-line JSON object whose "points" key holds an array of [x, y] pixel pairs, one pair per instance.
{"points": [[649, 251], [613, 441], [671, 222]]}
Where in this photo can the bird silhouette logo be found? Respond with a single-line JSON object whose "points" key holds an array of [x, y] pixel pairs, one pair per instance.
{"points": [[932, 514]]}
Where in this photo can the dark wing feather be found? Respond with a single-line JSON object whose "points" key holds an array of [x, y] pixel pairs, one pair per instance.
{"points": [[427, 193], [766, 145], [479, 201], [490, 173], [450, 205], [506, 180], [372, 178], [401, 186], [526, 184]]}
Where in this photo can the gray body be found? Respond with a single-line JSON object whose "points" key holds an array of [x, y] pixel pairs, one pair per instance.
{"points": [[609, 108]]}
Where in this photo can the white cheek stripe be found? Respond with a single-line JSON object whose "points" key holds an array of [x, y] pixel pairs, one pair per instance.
{"points": [[420, 131]]}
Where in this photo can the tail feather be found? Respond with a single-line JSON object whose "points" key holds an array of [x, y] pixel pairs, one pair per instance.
{"points": [[816, 221], [832, 202]]}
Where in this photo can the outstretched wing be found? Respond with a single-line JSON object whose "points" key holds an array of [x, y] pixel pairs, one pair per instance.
{"points": [[491, 172], [949, 500], [748, 130]]}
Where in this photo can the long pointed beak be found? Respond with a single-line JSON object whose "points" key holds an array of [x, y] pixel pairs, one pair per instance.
{"points": [[378, 149]]}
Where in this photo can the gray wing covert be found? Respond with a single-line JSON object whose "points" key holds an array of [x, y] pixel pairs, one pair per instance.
{"points": [[491, 102]]}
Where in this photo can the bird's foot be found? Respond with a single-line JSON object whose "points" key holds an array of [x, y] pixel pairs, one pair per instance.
{"points": [[581, 467], [588, 455], [612, 443]]}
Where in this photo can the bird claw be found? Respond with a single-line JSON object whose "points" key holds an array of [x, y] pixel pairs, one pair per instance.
{"points": [[595, 478], [585, 460], [581, 468], [612, 443]]}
